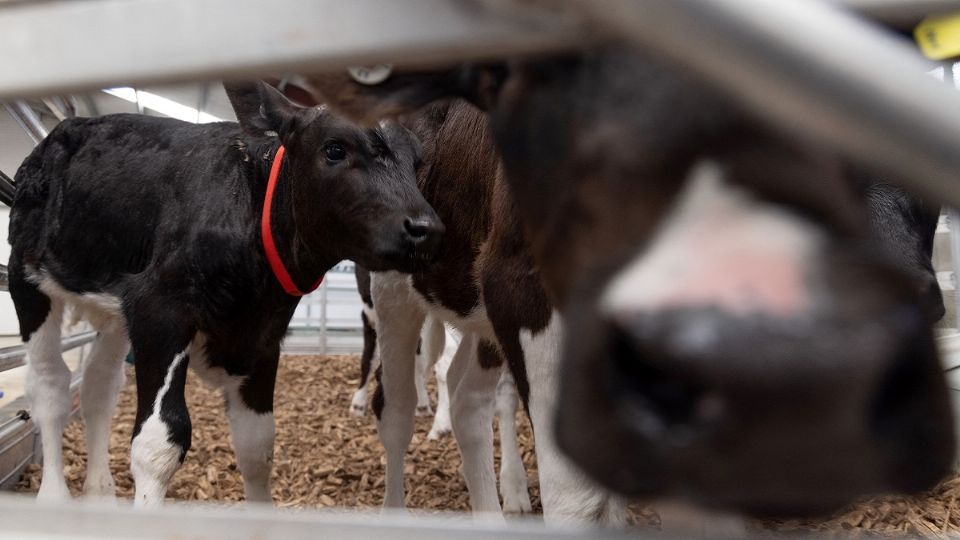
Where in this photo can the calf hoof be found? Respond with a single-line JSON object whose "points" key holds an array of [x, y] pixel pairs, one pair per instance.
{"points": [[438, 433], [358, 409], [53, 492], [516, 498], [424, 410], [100, 490]]}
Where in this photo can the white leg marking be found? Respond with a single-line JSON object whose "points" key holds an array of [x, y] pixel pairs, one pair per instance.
{"points": [[253, 435], [441, 421], [513, 477], [102, 380], [48, 390], [371, 314], [568, 495], [429, 352], [358, 403], [153, 458], [472, 390], [400, 320]]}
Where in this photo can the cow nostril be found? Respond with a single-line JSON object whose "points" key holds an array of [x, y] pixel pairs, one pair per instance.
{"points": [[665, 404], [417, 229]]}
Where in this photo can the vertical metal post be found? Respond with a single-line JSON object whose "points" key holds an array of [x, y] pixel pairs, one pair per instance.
{"points": [[323, 317], [953, 220]]}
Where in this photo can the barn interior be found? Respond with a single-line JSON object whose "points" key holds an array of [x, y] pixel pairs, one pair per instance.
{"points": [[168, 58]]}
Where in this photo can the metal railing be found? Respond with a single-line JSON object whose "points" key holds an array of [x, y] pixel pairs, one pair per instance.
{"points": [[802, 63], [14, 357]]}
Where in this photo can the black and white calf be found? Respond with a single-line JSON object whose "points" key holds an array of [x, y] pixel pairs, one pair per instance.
{"points": [[161, 234]]}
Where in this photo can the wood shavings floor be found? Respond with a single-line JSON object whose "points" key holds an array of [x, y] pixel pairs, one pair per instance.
{"points": [[326, 458]]}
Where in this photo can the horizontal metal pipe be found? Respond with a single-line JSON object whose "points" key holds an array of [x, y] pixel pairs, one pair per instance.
{"points": [[49, 49], [899, 13], [66, 519], [815, 69], [14, 357]]}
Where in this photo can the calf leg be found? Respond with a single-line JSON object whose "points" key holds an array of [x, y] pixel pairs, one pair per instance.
{"points": [[250, 410], [566, 493], [513, 477], [161, 433], [368, 362], [48, 392], [472, 388], [102, 380], [432, 340], [441, 421], [400, 321]]}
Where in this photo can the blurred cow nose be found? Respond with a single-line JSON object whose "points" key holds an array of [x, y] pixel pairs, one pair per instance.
{"points": [[675, 402], [422, 234], [690, 382]]}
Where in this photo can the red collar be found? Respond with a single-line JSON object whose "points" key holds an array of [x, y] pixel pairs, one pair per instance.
{"points": [[269, 246]]}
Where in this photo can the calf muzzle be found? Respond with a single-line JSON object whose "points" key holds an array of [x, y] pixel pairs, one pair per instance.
{"points": [[780, 413]]}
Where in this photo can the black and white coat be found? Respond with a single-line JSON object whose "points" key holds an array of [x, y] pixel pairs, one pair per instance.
{"points": [[150, 228]]}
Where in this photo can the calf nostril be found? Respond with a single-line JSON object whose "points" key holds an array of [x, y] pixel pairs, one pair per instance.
{"points": [[417, 229], [665, 404]]}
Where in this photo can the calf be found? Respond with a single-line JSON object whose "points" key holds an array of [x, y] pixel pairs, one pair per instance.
{"points": [[739, 342], [462, 179], [192, 243]]}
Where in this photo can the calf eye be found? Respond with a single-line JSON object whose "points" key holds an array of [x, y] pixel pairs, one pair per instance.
{"points": [[334, 152]]}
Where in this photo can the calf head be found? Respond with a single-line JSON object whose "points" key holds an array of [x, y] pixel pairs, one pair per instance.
{"points": [[353, 189], [732, 337]]}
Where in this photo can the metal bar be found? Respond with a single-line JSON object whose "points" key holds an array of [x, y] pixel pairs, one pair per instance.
{"points": [[48, 52], [24, 518], [815, 70], [16, 451], [54, 108], [5, 429], [20, 122], [202, 100], [13, 357], [323, 317], [899, 13], [30, 118], [7, 189]]}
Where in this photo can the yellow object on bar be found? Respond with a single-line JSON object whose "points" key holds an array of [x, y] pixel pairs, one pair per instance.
{"points": [[939, 36]]}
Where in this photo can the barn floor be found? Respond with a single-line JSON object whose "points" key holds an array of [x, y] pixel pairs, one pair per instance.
{"points": [[326, 458]]}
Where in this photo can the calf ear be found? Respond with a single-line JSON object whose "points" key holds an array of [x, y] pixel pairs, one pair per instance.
{"points": [[260, 108], [245, 100], [277, 111]]}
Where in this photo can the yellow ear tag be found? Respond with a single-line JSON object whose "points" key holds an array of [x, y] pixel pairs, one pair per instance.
{"points": [[939, 36]]}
